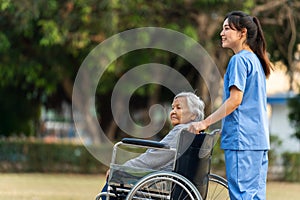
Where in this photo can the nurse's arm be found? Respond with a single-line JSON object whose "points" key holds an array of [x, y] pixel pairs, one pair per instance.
{"points": [[232, 103]]}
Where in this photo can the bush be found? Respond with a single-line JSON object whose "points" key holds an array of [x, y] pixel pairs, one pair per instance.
{"points": [[291, 162], [218, 160], [34, 156]]}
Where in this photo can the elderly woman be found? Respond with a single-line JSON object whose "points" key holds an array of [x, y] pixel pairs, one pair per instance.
{"points": [[186, 108]]}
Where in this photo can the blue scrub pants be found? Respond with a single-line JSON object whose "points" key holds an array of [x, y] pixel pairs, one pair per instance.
{"points": [[246, 172]]}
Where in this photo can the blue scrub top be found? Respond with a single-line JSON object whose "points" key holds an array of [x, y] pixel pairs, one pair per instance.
{"points": [[246, 128]]}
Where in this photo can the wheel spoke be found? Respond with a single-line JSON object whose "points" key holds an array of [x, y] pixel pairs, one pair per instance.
{"points": [[217, 188]]}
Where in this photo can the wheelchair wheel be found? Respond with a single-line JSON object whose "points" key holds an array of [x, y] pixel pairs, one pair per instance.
{"points": [[164, 185], [217, 188]]}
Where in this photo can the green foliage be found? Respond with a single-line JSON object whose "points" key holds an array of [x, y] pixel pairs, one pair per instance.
{"points": [[294, 114], [275, 143], [19, 116], [291, 163], [4, 43], [51, 34], [218, 160], [34, 156], [44, 42]]}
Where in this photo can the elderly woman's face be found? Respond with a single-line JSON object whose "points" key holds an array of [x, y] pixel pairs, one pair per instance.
{"points": [[180, 113]]}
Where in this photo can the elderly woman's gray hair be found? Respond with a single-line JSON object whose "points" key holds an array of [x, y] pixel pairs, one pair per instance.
{"points": [[195, 104]]}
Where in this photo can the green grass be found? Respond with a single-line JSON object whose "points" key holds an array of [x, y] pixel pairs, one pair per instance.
{"points": [[85, 187], [49, 186], [283, 190]]}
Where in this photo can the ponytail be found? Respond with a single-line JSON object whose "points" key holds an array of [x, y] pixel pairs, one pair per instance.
{"points": [[260, 49]]}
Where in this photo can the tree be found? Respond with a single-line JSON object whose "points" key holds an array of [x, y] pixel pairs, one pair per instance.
{"points": [[281, 21], [19, 115], [294, 114], [44, 42]]}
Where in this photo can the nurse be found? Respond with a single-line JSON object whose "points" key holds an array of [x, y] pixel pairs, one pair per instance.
{"points": [[245, 134]]}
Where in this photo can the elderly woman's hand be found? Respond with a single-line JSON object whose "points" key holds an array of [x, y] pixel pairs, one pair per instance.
{"points": [[197, 127]]}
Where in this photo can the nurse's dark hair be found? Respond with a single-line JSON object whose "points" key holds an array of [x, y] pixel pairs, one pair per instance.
{"points": [[239, 20]]}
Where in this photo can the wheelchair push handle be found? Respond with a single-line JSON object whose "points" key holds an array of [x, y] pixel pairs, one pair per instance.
{"points": [[149, 143]]}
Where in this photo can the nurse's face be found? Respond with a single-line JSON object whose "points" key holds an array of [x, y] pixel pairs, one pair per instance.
{"points": [[180, 113], [231, 38]]}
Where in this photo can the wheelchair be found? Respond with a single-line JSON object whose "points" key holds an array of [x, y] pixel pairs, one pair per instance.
{"points": [[190, 178]]}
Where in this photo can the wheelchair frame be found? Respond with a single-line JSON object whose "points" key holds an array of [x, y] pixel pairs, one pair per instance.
{"points": [[181, 183]]}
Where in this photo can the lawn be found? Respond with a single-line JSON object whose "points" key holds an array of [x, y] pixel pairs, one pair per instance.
{"points": [[49, 186], [84, 187]]}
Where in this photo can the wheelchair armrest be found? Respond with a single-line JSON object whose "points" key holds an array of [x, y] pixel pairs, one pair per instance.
{"points": [[149, 143]]}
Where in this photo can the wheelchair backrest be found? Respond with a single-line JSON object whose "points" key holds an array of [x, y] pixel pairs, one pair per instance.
{"points": [[193, 158]]}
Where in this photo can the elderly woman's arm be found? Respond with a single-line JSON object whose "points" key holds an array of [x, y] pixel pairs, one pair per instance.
{"points": [[153, 159], [159, 159]]}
